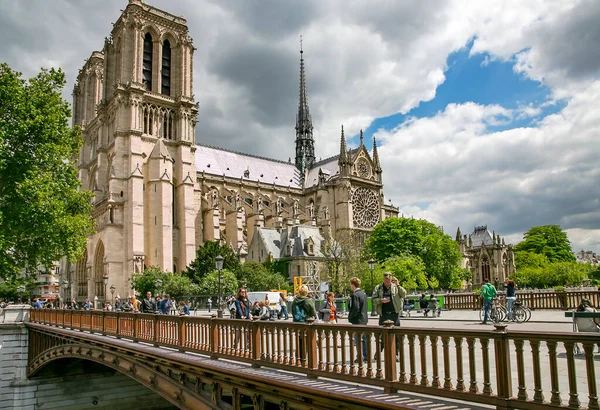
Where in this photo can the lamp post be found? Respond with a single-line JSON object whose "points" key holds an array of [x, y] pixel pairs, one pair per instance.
{"points": [[219, 265], [20, 291], [65, 284], [158, 284], [112, 294], [371, 264], [105, 281]]}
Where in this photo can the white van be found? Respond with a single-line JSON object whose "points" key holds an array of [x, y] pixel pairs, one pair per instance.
{"points": [[261, 297]]}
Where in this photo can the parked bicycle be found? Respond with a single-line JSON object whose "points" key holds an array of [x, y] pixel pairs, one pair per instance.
{"points": [[498, 312]]}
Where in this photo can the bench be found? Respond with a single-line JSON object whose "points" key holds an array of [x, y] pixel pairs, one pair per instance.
{"points": [[575, 315]]}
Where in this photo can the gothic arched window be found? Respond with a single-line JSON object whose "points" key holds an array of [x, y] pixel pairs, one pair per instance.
{"points": [[485, 268], [99, 270], [166, 69], [147, 62], [81, 276]]}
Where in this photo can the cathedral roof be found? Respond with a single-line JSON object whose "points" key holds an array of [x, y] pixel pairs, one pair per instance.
{"points": [[219, 161], [275, 241], [481, 236], [329, 167]]}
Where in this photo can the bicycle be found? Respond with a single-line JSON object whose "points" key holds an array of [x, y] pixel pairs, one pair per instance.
{"points": [[496, 313]]}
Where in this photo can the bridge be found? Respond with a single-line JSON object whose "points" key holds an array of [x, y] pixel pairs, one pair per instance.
{"points": [[201, 362]]}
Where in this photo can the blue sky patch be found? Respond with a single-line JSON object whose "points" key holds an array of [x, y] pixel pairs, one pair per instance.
{"points": [[481, 80]]}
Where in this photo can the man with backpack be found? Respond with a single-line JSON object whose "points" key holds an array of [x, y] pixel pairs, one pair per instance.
{"points": [[302, 308], [488, 293], [388, 298]]}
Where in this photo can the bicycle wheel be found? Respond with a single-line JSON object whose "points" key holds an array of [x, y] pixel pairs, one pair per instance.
{"points": [[481, 315], [528, 312], [519, 314], [503, 313]]}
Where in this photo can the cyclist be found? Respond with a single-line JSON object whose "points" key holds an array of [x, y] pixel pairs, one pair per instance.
{"points": [[488, 293]]}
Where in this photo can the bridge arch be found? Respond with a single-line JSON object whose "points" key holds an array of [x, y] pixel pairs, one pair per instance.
{"points": [[175, 391]]}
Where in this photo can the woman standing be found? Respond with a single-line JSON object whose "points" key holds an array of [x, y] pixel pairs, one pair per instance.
{"points": [[331, 307], [511, 296], [183, 310], [242, 305]]}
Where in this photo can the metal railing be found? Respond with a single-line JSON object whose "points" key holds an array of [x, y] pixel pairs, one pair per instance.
{"points": [[516, 369], [534, 299]]}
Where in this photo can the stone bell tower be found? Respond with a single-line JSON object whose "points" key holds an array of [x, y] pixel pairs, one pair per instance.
{"points": [[137, 112]]}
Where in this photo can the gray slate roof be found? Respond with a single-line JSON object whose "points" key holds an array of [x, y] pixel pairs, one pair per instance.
{"points": [[481, 236], [276, 242], [218, 161]]}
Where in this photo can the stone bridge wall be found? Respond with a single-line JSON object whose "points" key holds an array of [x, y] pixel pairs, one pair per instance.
{"points": [[59, 387]]}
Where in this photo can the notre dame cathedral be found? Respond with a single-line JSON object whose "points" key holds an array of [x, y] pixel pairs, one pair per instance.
{"points": [[159, 195]]}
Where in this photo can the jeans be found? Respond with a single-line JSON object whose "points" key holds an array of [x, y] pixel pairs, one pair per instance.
{"points": [[283, 312], [510, 302], [364, 345], [486, 308], [394, 317]]}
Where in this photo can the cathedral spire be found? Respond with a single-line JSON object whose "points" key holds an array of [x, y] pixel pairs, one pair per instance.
{"points": [[361, 138], [343, 151], [305, 144], [375, 154]]}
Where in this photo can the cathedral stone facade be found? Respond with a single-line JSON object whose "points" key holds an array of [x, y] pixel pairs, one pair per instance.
{"points": [[486, 256], [158, 195]]}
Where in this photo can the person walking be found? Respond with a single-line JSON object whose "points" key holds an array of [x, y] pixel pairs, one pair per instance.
{"points": [[148, 304], [488, 293], [283, 307], [358, 314], [511, 296]]}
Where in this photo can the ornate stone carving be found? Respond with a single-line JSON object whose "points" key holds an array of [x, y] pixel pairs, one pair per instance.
{"points": [[363, 168], [365, 205]]}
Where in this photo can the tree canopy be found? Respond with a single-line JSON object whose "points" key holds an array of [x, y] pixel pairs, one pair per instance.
{"points": [[172, 284], [205, 260], [547, 240], [210, 283], [420, 240], [43, 213], [343, 259], [256, 277]]}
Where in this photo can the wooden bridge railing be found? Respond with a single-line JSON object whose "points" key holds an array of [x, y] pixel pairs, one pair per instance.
{"points": [[534, 299], [519, 369]]}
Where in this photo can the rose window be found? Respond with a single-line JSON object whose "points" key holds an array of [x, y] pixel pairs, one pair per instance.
{"points": [[365, 205], [363, 168]]}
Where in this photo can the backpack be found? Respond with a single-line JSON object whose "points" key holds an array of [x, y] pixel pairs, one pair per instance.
{"points": [[298, 312]]}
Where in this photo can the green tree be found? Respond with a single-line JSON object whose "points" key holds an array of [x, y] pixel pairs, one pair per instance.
{"points": [[172, 284], [548, 240], [210, 283], [419, 238], [43, 213], [410, 271], [343, 258], [205, 260], [257, 277], [525, 259]]}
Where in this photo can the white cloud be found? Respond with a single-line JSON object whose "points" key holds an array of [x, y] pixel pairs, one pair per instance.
{"points": [[366, 60]]}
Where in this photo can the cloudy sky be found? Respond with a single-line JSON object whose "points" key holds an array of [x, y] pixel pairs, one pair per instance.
{"points": [[485, 112]]}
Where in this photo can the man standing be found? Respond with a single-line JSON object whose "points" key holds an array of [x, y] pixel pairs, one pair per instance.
{"points": [[165, 305], [388, 298], [488, 293], [358, 313], [148, 304], [117, 304]]}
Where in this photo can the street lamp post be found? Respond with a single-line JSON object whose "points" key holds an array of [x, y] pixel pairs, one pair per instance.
{"points": [[112, 294], [371, 263], [105, 281], [66, 287], [20, 291], [219, 265]]}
